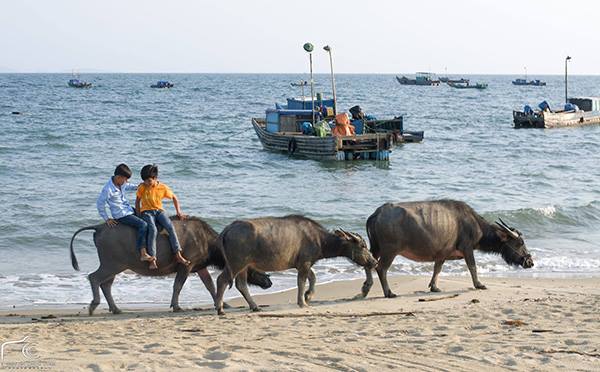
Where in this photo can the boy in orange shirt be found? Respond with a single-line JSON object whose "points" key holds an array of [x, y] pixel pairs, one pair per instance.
{"points": [[149, 202]]}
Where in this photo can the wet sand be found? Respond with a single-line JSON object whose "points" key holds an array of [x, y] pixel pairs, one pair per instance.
{"points": [[518, 323]]}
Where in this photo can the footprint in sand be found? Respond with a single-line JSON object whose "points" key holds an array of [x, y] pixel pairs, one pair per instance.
{"points": [[212, 365], [455, 349], [151, 346], [216, 355], [479, 327]]}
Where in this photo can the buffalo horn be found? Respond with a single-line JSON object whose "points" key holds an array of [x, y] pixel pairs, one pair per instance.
{"points": [[507, 229]]}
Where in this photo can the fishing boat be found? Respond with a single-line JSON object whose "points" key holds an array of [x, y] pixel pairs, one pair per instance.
{"points": [[536, 83], [162, 84], [288, 129], [468, 85], [312, 128], [76, 83], [577, 111], [446, 79], [301, 83], [421, 78]]}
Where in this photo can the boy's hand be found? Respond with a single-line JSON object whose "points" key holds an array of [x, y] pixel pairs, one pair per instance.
{"points": [[111, 222], [181, 216]]}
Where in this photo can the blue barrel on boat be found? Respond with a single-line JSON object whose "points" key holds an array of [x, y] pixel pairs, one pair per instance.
{"points": [[358, 126]]}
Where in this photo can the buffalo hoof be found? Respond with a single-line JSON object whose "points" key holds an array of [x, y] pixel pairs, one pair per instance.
{"points": [[480, 286], [308, 296], [256, 309], [116, 311], [365, 289], [390, 294], [220, 312], [177, 309], [92, 307], [433, 288]]}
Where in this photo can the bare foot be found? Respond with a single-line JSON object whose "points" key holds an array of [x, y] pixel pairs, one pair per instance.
{"points": [[182, 260], [144, 256], [153, 265]]}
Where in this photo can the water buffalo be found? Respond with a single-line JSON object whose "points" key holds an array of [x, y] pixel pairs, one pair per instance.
{"points": [[437, 231], [281, 243], [117, 253]]}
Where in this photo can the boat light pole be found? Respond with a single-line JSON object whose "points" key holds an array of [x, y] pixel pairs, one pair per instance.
{"points": [[308, 47], [327, 48], [566, 91]]}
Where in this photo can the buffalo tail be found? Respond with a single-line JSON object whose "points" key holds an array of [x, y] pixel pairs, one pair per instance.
{"points": [[73, 258], [221, 245]]}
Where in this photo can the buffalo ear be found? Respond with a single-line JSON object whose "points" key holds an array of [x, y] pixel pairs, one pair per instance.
{"points": [[342, 234], [502, 235]]}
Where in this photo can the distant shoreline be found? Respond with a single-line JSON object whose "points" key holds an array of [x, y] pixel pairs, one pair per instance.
{"points": [[530, 75]]}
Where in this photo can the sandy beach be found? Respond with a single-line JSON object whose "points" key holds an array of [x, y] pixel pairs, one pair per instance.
{"points": [[518, 324]]}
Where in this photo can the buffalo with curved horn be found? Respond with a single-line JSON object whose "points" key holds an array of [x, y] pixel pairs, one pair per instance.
{"points": [[436, 231]]}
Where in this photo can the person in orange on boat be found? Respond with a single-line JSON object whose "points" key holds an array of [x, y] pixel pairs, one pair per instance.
{"points": [[343, 126]]}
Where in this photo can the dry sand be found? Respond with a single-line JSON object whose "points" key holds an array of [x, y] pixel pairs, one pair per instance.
{"points": [[517, 324]]}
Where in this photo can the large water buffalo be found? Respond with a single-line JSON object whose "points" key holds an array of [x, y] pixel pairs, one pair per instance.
{"points": [[117, 253], [281, 243], [437, 231]]}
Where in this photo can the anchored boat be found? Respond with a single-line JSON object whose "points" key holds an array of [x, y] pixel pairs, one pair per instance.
{"points": [[162, 84], [577, 112], [313, 128], [76, 83], [535, 83], [289, 129], [446, 79], [422, 78], [468, 85]]}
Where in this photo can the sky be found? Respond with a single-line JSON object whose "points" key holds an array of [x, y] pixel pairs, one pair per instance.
{"points": [[266, 36]]}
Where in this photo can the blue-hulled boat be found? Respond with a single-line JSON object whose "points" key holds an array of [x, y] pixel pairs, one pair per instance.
{"points": [[162, 84], [76, 83], [535, 83]]}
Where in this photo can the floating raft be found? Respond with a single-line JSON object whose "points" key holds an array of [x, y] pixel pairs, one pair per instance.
{"points": [[374, 146]]}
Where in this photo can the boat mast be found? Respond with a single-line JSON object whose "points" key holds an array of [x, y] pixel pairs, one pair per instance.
{"points": [[328, 49], [308, 47], [566, 91]]}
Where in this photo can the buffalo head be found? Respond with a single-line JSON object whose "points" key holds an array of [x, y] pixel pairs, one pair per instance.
{"points": [[355, 248], [513, 248]]}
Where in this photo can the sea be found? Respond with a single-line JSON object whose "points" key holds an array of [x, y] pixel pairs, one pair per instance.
{"points": [[56, 155]]}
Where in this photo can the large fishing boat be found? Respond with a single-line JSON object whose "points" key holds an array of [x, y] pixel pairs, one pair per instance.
{"points": [[292, 129]]}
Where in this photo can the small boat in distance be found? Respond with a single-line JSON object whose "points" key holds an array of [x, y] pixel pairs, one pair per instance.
{"points": [[446, 79], [535, 83], [162, 84], [76, 83], [422, 78], [467, 85], [301, 83]]}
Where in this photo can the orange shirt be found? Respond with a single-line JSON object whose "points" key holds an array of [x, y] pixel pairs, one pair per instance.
{"points": [[151, 197]]}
